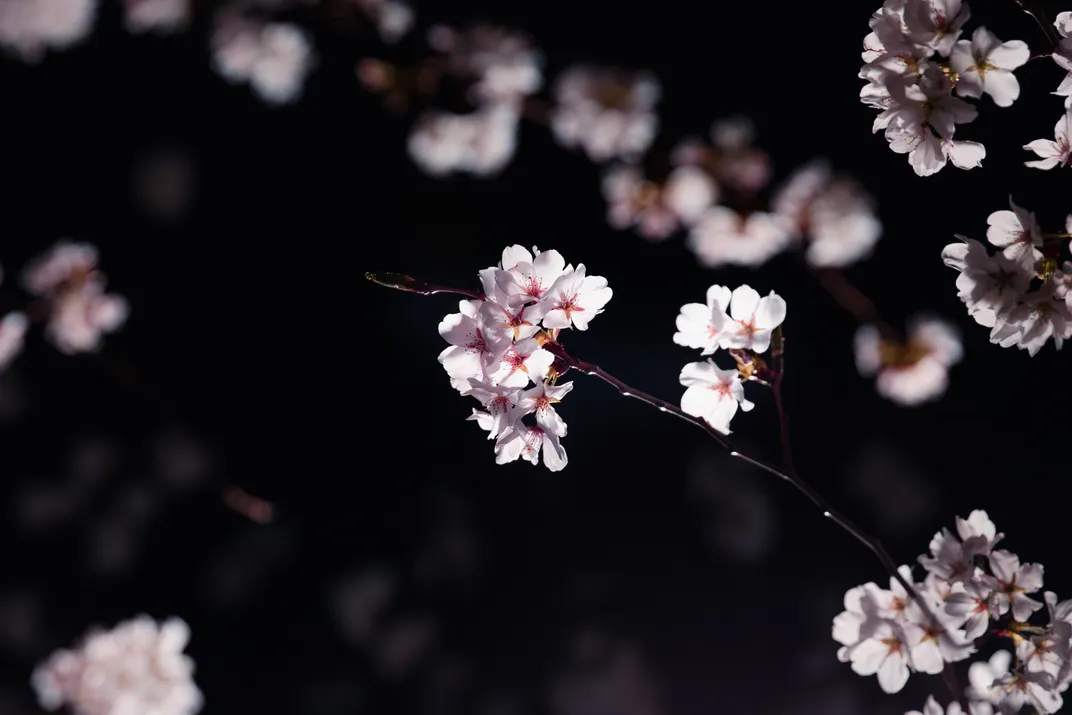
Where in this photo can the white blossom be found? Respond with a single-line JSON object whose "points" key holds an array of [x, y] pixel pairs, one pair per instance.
{"points": [[608, 112], [985, 64], [712, 394], [273, 57], [701, 326], [723, 236], [156, 15], [1055, 152], [912, 371], [657, 211], [137, 667], [30, 27], [481, 143], [754, 319]]}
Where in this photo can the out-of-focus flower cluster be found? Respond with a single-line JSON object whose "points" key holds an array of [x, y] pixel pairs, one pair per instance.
{"points": [[914, 370], [137, 667], [972, 594], [739, 321], [918, 71], [1021, 292], [496, 349], [71, 301]]}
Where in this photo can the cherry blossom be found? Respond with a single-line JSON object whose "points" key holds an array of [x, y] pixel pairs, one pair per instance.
{"points": [[31, 27], [1054, 152], [985, 64], [80, 311], [393, 18], [529, 277], [499, 402], [935, 23], [481, 143], [520, 362], [469, 355], [520, 441], [913, 371], [700, 326], [1017, 233], [723, 236], [137, 667], [931, 707], [575, 299], [834, 214], [608, 112], [540, 400], [983, 692], [1011, 581], [712, 393], [502, 65], [657, 211], [731, 159], [156, 15], [754, 319], [12, 334], [273, 57], [990, 285]]}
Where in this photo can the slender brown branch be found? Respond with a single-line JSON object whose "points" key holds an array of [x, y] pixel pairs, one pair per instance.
{"points": [[852, 299], [569, 362]]}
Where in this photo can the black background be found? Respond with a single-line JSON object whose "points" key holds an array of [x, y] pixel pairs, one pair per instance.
{"points": [[255, 335]]}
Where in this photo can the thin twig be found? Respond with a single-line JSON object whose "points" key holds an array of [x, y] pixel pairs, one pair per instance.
{"points": [[1038, 14], [852, 299]]}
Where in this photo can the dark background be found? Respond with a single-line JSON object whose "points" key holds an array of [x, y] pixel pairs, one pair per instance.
{"points": [[257, 355]]}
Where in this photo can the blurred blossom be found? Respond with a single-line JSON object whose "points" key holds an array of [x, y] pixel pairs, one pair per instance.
{"points": [[401, 645], [359, 600], [12, 336], [607, 111], [603, 677], [137, 667], [723, 236], [503, 65], [743, 523], [833, 213], [394, 18], [480, 143], [895, 489], [180, 461], [913, 371], [731, 158], [80, 312], [163, 183], [657, 210], [274, 57], [156, 15], [243, 566], [30, 27]]}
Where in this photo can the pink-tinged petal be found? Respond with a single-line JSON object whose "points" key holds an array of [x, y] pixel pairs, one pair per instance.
{"points": [[770, 312], [513, 255], [458, 329], [965, 155], [554, 454], [868, 656], [1003, 87], [1010, 55], [961, 58], [1023, 607], [698, 401], [1004, 565], [744, 302], [538, 363], [556, 318], [718, 297], [1029, 577], [892, 674], [703, 374]]}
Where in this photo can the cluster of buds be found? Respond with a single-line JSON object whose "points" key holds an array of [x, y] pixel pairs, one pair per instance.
{"points": [[972, 593], [71, 301], [914, 65], [1020, 292], [739, 322], [508, 338]]}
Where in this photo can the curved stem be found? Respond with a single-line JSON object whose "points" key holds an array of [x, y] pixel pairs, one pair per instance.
{"points": [[1034, 9]]}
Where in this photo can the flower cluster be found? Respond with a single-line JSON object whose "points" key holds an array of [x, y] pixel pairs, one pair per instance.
{"points": [[1020, 292], [740, 321], [914, 65], [137, 667], [972, 592], [500, 67], [1055, 152], [273, 57], [497, 347], [914, 370], [69, 282]]}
